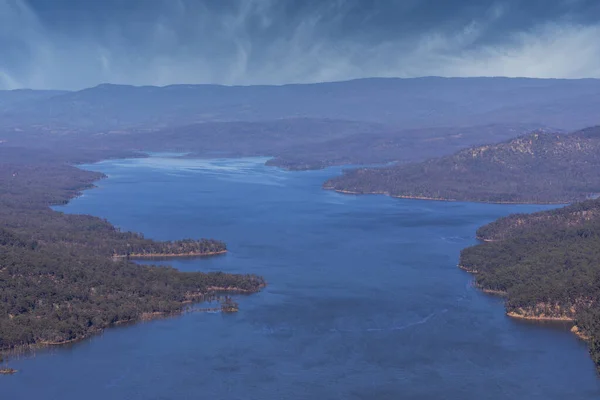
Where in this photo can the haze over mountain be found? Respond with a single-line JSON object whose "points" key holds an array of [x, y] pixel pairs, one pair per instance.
{"points": [[402, 103]]}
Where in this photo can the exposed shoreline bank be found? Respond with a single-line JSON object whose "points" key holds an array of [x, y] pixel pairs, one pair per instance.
{"points": [[171, 255], [180, 305], [541, 317], [395, 196], [534, 318], [197, 298], [511, 314]]}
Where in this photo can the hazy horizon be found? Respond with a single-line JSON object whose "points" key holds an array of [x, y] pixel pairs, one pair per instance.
{"points": [[298, 83], [70, 45]]}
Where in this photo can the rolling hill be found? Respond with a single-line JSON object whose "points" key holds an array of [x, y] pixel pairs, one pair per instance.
{"points": [[540, 167]]}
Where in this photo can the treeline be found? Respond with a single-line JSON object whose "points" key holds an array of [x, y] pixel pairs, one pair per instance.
{"points": [[26, 191], [573, 215], [59, 280], [537, 168], [51, 295], [149, 248], [547, 263]]}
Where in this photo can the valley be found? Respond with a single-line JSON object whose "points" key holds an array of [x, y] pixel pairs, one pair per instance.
{"points": [[544, 263]]}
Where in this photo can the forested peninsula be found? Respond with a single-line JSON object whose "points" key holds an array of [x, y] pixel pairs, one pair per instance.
{"points": [[540, 167], [64, 277], [547, 264]]}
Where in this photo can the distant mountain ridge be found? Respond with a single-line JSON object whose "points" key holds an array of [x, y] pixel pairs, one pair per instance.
{"points": [[540, 167], [404, 103], [10, 99]]}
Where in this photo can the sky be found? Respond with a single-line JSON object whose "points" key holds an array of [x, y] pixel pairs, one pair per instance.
{"points": [[72, 44]]}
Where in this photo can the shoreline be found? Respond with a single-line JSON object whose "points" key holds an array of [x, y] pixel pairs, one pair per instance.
{"points": [[232, 289], [541, 318], [197, 298], [396, 196], [535, 318], [500, 293], [511, 314], [171, 255], [577, 332], [470, 271]]}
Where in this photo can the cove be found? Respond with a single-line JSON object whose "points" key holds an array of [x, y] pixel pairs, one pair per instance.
{"points": [[364, 299]]}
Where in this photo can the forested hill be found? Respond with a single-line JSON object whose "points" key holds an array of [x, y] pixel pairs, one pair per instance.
{"points": [[547, 263], [540, 167], [575, 215], [59, 279]]}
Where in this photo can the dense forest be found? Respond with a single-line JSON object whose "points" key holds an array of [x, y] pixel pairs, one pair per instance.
{"points": [[59, 278], [547, 264], [540, 167], [574, 215]]}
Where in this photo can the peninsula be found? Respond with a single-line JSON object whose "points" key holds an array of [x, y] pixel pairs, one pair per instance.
{"points": [[541, 168], [59, 277], [547, 265]]}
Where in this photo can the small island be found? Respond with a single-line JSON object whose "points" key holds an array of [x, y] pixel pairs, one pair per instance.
{"points": [[7, 371], [228, 305]]}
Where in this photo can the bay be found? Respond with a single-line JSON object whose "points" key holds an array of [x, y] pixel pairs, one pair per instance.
{"points": [[364, 299]]}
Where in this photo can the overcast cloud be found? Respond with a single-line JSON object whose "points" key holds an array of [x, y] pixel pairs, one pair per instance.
{"points": [[71, 44]]}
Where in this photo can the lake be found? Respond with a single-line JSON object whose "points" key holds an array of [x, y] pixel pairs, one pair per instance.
{"points": [[364, 299]]}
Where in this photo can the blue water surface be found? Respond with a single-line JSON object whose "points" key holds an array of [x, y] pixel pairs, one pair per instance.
{"points": [[364, 299]]}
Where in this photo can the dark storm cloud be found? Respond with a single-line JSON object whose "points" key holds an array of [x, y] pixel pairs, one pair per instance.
{"points": [[78, 43]]}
